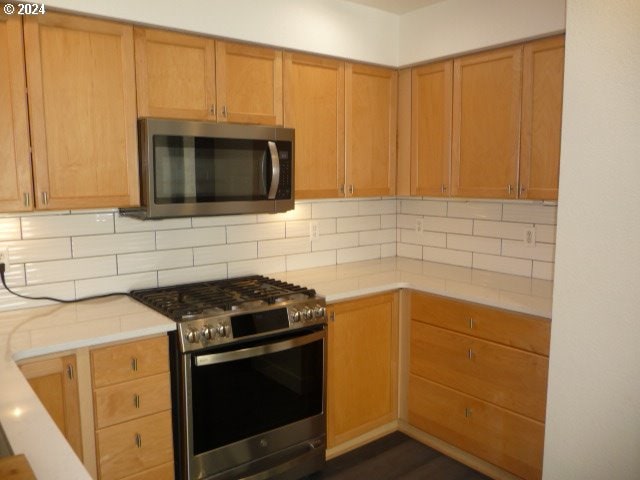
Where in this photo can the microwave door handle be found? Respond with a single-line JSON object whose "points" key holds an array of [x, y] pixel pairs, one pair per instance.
{"points": [[275, 170]]}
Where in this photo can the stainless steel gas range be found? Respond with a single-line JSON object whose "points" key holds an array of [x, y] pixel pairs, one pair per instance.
{"points": [[248, 377]]}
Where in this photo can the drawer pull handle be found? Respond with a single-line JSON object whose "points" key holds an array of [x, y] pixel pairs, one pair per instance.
{"points": [[70, 372], [138, 440], [136, 400], [134, 364], [470, 354], [467, 412], [470, 322]]}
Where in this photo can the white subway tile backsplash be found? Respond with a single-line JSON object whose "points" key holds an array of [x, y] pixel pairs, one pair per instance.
{"points": [[286, 246], [388, 250], [62, 290], [377, 207], [480, 210], [311, 260], [225, 253], [529, 213], [260, 266], [513, 231], [546, 233], [376, 237], [192, 274], [473, 244], [301, 211], [9, 229], [193, 237], [448, 225], [358, 224], [158, 260], [300, 228], [513, 266], [433, 239], [357, 254], [114, 284], [73, 269], [223, 220], [542, 251], [388, 221], [335, 241], [259, 231], [543, 270], [95, 245], [423, 207], [129, 224], [443, 255], [66, 225], [407, 221], [408, 250], [24, 251], [14, 275], [344, 208]]}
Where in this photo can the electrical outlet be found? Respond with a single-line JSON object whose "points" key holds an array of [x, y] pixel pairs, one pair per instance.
{"points": [[419, 225], [530, 237], [314, 230], [4, 257]]}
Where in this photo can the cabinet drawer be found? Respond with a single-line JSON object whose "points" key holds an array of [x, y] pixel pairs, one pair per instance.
{"points": [[163, 472], [517, 330], [129, 361], [129, 400], [134, 446], [506, 439], [508, 377]]}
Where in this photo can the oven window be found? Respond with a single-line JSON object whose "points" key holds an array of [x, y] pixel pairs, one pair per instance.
{"points": [[239, 399]]}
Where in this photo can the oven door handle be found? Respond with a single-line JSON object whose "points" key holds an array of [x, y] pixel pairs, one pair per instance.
{"points": [[213, 358]]}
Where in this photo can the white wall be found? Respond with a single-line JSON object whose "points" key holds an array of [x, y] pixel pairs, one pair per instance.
{"points": [[593, 413], [457, 26], [330, 27]]}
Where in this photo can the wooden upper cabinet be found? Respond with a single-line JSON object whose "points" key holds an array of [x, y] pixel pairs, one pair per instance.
{"points": [[431, 105], [371, 95], [82, 105], [249, 84], [175, 75], [16, 191], [314, 106], [487, 91], [543, 76], [55, 383]]}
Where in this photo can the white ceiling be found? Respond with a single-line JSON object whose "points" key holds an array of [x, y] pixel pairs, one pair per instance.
{"points": [[396, 6]]}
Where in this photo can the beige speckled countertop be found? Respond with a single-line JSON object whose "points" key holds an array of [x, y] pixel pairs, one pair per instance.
{"points": [[58, 328]]}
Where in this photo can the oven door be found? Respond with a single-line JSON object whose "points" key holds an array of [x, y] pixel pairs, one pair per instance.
{"points": [[261, 400]]}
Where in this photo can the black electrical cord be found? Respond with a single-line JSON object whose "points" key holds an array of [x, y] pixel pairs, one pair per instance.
{"points": [[59, 300]]}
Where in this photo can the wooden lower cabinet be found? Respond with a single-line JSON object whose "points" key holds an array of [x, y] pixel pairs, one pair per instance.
{"points": [[504, 438], [478, 380], [132, 410], [362, 366], [55, 383]]}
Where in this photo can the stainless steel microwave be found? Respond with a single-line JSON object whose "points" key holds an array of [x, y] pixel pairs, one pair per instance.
{"points": [[191, 168]]}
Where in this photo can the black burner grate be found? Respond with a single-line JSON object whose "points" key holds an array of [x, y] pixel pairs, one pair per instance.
{"points": [[180, 301]]}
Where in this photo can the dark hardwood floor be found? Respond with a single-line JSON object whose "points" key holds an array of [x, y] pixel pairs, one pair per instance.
{"points": [[395, 457]]}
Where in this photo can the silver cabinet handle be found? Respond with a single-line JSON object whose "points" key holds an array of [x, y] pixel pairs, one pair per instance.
{"points": [[342, 189], [509, 188], [136, 400], [212, 109], [470, 322], [45, 198], [522, 190], [26, 199], [134, 364], [275, 170], [470, 354], [138, 440], [224, 111], [70, 372], [443, 188], [350, 190], [467, 412]]}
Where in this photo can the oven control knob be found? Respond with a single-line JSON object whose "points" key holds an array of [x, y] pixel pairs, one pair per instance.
{"points": [[221, 330], [319, 311], [208, 332], [295, 315], [307, 313], [192, 335]]}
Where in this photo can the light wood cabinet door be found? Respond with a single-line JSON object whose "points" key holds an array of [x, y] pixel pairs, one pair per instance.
{"points": [[543, 75], [487, 91], [371, 116], [510, 441], [504, 376], [175, 75], [431, 108], [55, 383], [314, 106], [16, 191], [82, 106], [362, 366], [249, 84]]}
